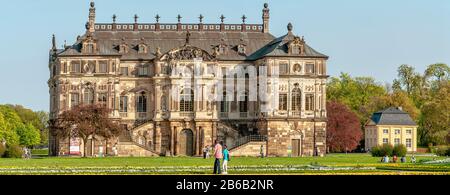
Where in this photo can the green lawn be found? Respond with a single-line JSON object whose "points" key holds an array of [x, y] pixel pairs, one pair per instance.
{"points": [[358, 163]]}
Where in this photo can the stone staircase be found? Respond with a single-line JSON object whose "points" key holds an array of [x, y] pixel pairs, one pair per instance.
{"points": [[249, 146], [129, 147]]}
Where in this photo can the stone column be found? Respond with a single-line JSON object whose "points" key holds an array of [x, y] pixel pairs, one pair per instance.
{"points": [[158, 138], [172, 140]]}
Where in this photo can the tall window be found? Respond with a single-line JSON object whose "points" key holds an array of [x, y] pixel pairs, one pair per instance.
{"points": [[408, 143], [309, 69], [296, 98], [243, 102], [103, 66], [385, 131], [309, 102], [409, 131], [397, 141], [397, 131], [141, 102], [143, 71], [123, 104], [75, 67], [102, 98], [74, 99], [282, 104], [88, 96], [284, 68], [224, 104], [187, 100], [124, 71], [385, 141]]}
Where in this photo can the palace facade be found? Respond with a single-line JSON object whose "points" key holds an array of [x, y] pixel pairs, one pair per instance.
{"points": [[246, 87]]}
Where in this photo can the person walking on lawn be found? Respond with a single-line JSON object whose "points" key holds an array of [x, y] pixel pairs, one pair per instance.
{"points": [[218, 155], [226, 158]]}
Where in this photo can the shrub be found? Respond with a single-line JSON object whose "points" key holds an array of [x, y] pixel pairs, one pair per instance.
{"points": [[442, 151], [387, 149], [2, 150], [14, 152], [448, 151], [376, 151], [399, 150], [383, 150]]}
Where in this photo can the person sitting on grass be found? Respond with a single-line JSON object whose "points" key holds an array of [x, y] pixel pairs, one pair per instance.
{"points": [[394, 159], [386, 159], [413, 159], [403, 159]]}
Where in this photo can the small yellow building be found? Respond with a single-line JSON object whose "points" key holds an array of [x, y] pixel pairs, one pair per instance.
{"points": [[391, 126]]}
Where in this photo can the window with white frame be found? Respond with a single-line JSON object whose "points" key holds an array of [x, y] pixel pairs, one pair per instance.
{"points": [[75, 67], [385, 141], [309, 102], [397, 141], [123, 104], [397, 131], [88, 96], [408, 131], [409, 143], [296, 99], [74, 99], [385, 131], [141, 102], [187, 100], [142, 71], [103, 67], [309, 69], [284, 68]]}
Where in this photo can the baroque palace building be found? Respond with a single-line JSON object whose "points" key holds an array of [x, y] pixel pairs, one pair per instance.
{"points": [[247, 88]]}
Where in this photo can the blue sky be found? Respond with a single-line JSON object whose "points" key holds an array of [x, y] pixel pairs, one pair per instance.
{"points": [[363, 38]]}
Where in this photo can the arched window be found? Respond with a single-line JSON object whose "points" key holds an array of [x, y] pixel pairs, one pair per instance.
{"points": [[296, 99], [141, 102], [88, 96], [187, 100], [243, 102]]}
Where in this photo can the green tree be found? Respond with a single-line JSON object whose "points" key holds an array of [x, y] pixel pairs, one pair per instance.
{"points": [[11, 122], [38, 119], [28, 135], [435, 119], [357, 93], [43, 126]]}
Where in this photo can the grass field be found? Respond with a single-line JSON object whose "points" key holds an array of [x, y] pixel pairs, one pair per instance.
{"points": [[331, 164]]}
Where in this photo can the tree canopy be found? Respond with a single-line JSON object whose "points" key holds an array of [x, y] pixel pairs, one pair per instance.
{"points": [[343, 128]]}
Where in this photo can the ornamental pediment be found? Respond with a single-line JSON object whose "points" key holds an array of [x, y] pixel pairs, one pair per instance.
{"points": [[186, 52]]}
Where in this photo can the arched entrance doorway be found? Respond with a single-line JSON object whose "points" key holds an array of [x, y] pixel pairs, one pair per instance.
{"points": [[186, 143]]}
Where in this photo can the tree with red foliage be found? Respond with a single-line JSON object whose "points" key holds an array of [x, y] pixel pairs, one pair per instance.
{"points": [[343, 128], [85, 121]]}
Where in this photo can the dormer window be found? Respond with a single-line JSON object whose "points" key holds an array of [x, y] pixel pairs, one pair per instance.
{"points": [[222, 49], [142, 48], [123, 48], [241, 49], [89, 46], [296, 47]]}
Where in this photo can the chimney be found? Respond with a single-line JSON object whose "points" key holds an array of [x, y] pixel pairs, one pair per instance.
{"points": [[265, 17]]}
